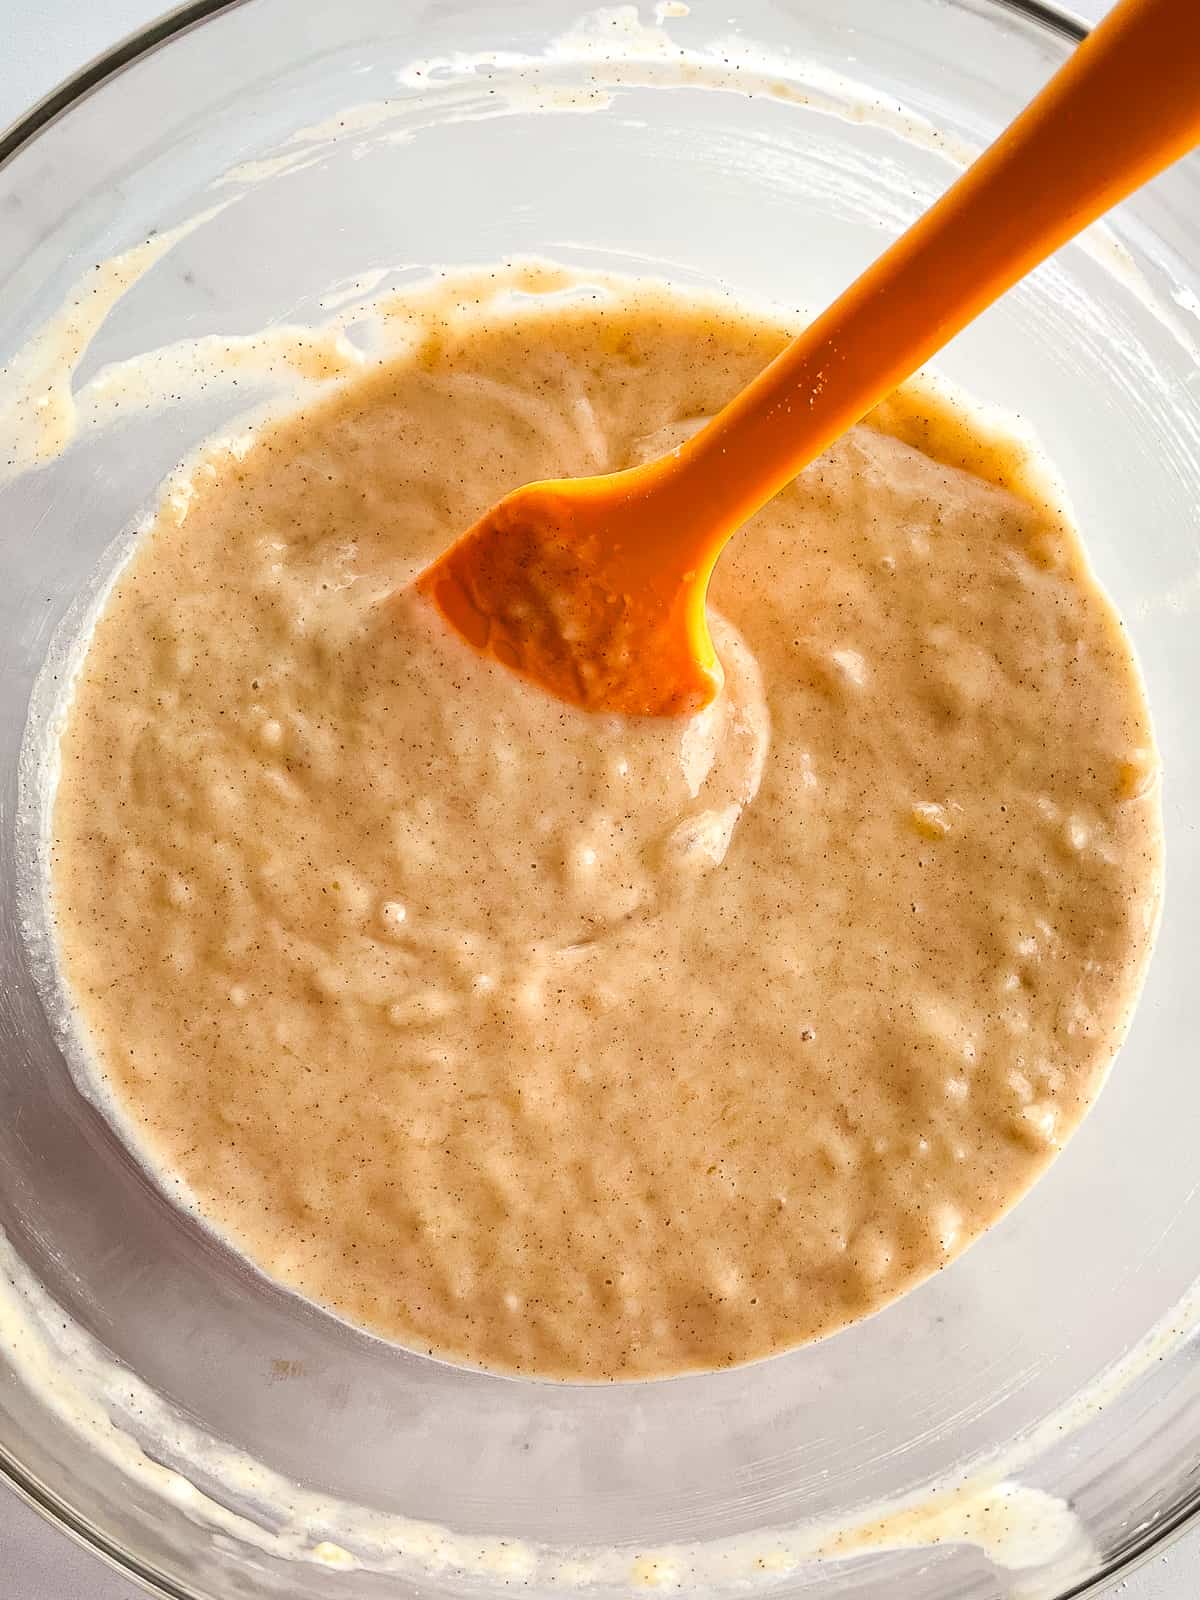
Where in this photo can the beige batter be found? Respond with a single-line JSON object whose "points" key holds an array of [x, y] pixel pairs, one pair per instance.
{"points": [[574, 1046]]}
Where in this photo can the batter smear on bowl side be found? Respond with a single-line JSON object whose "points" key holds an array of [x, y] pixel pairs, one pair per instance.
{"points": [[581, 1046]]}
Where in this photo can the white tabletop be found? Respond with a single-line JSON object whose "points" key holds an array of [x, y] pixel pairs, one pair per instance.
{"points": [[45, 41]]}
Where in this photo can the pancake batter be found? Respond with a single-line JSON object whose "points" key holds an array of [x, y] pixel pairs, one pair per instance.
{"points": [[579, 1047]]}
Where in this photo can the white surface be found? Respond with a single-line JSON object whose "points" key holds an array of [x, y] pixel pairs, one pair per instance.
{"points": [[44, 41]]}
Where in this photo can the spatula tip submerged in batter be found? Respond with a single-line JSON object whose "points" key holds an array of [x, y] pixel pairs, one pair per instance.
{"points": [[578, 1046]]}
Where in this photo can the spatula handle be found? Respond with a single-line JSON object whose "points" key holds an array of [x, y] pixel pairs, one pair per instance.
{"points": [[1124, 106]]}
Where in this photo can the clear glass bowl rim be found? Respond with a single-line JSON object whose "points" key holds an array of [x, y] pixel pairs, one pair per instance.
{"points": [[74, 89]]}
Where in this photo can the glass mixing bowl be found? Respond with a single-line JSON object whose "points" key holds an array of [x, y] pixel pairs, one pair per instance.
{"points": [[208, 1431]]}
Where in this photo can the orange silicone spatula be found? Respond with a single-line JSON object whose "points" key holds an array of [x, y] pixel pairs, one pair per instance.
{"points": [[595, 587]]}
